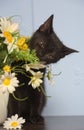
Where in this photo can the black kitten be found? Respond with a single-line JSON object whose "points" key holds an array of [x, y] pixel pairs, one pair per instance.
{"points": [[50, 50]]}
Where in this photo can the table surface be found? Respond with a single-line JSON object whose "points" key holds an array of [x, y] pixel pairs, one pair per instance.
{"points": [[57, 123]]}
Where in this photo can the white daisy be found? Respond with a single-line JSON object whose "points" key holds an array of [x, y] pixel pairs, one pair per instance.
{"points": [[14, 122], [34, 66], [36, 79], [8, 25], [8, 82], [8, 28]]}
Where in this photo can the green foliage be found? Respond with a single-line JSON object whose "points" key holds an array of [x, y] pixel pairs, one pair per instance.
{"points": [[29, 56]]}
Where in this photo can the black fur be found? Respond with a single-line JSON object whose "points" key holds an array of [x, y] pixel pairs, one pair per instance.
{"points": [[49, 49]]}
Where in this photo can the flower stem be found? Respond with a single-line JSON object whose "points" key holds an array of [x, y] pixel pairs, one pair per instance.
{"points": [[18, 99], [43, 91], [5, 59]]}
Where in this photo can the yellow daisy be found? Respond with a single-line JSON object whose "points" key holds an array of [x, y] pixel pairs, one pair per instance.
{"points": [[7, 68], [21, 43]]}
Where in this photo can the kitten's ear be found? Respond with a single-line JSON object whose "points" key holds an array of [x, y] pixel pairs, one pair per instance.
{"points": [[67, 50], [47, 26]]}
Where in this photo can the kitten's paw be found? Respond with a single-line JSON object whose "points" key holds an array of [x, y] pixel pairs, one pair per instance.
{"points": [[36, 119]]}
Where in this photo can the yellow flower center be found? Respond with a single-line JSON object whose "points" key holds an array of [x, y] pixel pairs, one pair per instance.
{"points": [[6, 68], [14, 124], [6, 81], [8, 36]]}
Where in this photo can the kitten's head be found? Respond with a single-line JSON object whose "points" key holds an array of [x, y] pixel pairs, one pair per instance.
{"points": [[48, 46]]}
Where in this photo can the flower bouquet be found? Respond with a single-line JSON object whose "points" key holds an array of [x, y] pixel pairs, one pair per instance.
{"points": [[14, 47]]}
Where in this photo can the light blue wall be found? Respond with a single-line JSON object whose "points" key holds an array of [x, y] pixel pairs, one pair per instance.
{"points": [[67, 94], [22, 8], [68, 90]]}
